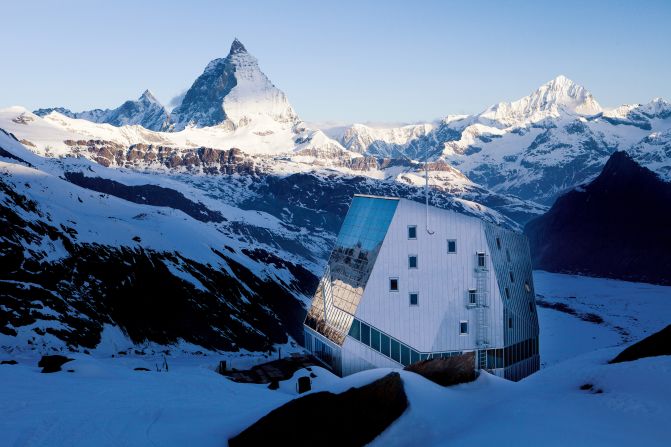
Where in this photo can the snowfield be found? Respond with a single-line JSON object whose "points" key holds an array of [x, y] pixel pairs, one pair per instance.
{"points": [[104, 402]]}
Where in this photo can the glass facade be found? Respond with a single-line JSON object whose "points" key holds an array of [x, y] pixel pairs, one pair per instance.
{"points": [[352, 259], [390, 347]]}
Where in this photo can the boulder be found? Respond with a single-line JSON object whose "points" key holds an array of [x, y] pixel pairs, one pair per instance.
{"points": [[446, 371], [52, 363], [656, 344], [361, 414]]}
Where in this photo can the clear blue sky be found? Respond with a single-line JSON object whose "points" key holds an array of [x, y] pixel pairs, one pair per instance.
{"points": [[345, 61]]}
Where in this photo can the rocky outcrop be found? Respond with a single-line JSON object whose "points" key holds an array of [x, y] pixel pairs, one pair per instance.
{"points": [[616, 226], [654, 345], [352, 418]]}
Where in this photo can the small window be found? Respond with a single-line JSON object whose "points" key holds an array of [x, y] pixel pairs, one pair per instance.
{"points": [[451, 245], [531, 307], [414, 298], [384, 344], [508, 255], [498, 243], [512, 278], [412, 231], [527, 287], [510, 322], [472, 297], [393, 284], [395, 351], [375, 339], [405, 355], [412, 261], [365, 334], [507, 290], [463, 327], [481, 260], [355, 330]]}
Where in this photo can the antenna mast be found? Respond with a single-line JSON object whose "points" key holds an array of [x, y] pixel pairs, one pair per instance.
{"points": [[426, 188], [426, 183]]}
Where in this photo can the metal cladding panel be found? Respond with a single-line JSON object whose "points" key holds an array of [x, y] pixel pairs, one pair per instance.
{"points": [[510, 254], [441, 279], [358, 357], [350, 265]]}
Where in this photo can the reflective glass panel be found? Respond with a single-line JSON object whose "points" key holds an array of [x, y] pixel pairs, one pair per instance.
{"points": [[375, 339], [395, 351], [384, 345], [365, 334]]}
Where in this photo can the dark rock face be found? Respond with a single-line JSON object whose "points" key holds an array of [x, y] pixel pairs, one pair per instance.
{"points": [[446, 372], [146, 194], [361, 414], [617, 226], [202, 103], [202, 159], [8, 362], [658, 343], [52, 363]]}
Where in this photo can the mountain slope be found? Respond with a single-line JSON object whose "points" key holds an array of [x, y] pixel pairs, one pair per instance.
{"points": [[73, 260], [616, 226]]}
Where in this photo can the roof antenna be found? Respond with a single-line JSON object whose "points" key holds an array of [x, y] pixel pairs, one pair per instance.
{"points": [[426, 183], [426, 188]]}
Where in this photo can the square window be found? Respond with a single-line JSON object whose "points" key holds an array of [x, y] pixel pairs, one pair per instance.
{"points": [[384, 344], [396, 351], [393, 284], [375, 339], [451, 245], [365, 334], [463, 327], [412, 261], [414, 298], [412, 232]]}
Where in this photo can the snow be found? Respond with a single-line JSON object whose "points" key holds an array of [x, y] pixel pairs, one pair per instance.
{"points": [[105, 402]]}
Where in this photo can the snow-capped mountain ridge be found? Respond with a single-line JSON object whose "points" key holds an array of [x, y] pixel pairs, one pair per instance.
{"points": [[550, 100], [146, 111]]}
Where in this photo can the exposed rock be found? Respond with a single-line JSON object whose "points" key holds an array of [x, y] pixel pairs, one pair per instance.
{"points": [[8, 362], [361, 414], [656, 344], [446, 371], [616, 226], [52, 363]]}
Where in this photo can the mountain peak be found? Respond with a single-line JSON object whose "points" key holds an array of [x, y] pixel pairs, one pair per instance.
{"points": [[237, 47], [149, 97], [560, 95]]}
